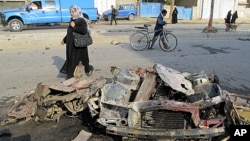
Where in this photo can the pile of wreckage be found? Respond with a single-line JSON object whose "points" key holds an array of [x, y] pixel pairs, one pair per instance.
{"points": [[152, 104]]}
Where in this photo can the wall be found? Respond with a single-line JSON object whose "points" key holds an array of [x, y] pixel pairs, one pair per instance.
{"points": [[150, 9], [103, 5], [10, 4], [221, 7], [187, 3], [126, 2]]}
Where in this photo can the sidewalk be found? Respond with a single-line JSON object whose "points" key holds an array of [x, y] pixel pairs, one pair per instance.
{"points": [[144, 20], [148, 20]]}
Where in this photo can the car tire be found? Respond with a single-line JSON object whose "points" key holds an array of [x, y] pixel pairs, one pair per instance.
{"points": [[16, 25], [85, 16], [109, 18], [131, 17]]}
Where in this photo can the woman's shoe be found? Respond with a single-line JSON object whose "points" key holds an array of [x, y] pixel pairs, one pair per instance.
{"points": [[90, 71]]}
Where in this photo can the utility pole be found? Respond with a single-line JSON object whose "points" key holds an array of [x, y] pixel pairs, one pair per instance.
{"points": [[171, 9], [209, 28]]}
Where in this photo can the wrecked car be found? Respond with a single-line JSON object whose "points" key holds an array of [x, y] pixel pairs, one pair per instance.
{"points": [[238, 107], [139, 104], [161, 104]]}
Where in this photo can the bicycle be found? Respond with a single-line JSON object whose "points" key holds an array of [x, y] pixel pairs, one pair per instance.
{"points": [[141, 39]]}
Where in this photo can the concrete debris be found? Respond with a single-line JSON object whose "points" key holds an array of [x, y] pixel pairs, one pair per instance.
{"points": [[113, 42], [153, 103], [83, 136]]}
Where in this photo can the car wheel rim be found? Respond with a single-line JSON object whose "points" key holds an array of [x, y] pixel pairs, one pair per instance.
{"points": [[131, 17], [15, 26]]}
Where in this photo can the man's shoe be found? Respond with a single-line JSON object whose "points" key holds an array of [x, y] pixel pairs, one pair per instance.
{"points": [[166, 46]]}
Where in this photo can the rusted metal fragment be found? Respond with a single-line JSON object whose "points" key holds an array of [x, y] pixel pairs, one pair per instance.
{"points": [[40, 93], [113, 121], [115, 94], [212, 122], [150, 105], [174, 79], [81, 84], [210, 102], [62, 88], [82, 136], [73, 84], [113, 103], [22, 109], [75, 106], [94, 85], [52, 113], [45, 103], [52, 99], [165, 134], [128, 78], [239, 108], [93, 105], [147, 87], [22, 99], [78, 73]]}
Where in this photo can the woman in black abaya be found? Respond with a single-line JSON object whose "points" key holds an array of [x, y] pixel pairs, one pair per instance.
{"points": [[73, 54], [175, 16]]}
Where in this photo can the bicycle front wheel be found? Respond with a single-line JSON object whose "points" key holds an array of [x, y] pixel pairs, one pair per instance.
{"points": [[168, 42], [139, 41]]}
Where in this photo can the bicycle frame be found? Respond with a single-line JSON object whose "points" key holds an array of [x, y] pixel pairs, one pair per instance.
{"points": [[144, 38], [149, 32]]}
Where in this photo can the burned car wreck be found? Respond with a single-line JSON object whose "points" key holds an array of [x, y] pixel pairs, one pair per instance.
{"points": [[162, 104], [138, 104]]}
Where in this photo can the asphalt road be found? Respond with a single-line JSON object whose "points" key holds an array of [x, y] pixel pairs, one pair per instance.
{"points": [[35, 54]]}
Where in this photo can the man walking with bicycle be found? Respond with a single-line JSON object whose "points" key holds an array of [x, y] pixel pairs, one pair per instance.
{"points": [[159, 27]]}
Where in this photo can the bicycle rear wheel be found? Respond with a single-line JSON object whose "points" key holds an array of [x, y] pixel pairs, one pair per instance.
{"points": [[168, 42], [139, 41]]}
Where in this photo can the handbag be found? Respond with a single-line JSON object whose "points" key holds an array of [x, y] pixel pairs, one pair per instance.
{"points": [[82, 40]]}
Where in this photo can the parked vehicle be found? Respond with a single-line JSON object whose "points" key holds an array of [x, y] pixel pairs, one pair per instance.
{"points": [[125, 11], [45, 12]]}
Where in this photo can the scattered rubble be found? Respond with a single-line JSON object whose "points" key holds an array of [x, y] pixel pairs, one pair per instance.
{"points": [[153, 103], [113, 42]]}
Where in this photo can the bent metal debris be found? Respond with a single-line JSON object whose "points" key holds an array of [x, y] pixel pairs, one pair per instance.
{"points": [[153, 103]]}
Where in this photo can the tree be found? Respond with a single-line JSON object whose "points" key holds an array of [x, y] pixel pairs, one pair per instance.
{"points": [[209, 28]]}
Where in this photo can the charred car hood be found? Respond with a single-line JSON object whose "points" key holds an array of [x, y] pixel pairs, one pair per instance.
{"points": [[174, 79]]}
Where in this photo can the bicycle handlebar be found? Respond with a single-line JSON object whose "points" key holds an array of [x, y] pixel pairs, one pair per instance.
{"points": [[145, 26]]}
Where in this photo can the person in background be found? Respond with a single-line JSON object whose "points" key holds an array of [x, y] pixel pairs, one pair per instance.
{"points": [[175, 16], [158, 28], [228, 17], [234, 17], [75, 55], [33, 6], [113, 15], [228, 20]]}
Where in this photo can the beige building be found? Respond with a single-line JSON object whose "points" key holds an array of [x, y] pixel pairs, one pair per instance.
{"points": [[200, 8]]}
